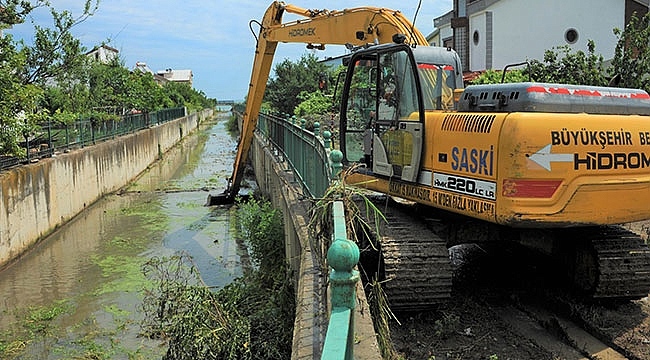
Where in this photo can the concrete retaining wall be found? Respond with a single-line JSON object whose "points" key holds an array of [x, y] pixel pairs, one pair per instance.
{"points": [[37, 198]]}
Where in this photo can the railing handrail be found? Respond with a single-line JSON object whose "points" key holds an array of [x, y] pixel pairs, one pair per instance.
{"points": [[295, 144], [306, 152], [87, 131], [342, 256]]}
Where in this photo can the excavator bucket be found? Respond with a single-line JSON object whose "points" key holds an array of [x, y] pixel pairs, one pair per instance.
{"points": [[226, 198], [220, 199]]}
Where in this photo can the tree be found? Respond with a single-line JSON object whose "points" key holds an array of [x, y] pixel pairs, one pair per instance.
{"points": [[13, 12], [24, 70], [56, 51], [291, 79], [182, 94], [18, 102], [54, 78], [19, 114], [108, 85], [495, 76], [312, 103], [144, 94], [631, 63], [562, 65]]}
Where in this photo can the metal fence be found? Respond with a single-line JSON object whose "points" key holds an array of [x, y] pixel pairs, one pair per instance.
{"points": [[306, 151], [308, 154], [53, 137]]}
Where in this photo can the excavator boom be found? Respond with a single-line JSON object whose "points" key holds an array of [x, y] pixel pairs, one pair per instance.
{"points": [[356, 26]]}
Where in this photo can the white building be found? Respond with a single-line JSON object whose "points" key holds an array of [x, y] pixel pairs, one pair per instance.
{"points": [[183, 76], [142, 67], [490, 34], [103, 53]]}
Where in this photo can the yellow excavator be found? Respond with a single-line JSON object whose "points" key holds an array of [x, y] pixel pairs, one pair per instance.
{"points": [[557, 165]]}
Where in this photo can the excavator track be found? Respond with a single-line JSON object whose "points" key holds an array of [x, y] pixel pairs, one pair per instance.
{"points": [[610, 262], [415, 268], [606, 262]]}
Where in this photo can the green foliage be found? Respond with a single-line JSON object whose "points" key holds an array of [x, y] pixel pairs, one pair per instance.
{"points": [[33, 322], [252, 318], [25, 69], [232, 126], [38, 319], [262, 226], [632, 54], [14, 11], [19, 116], [53, 78], [144, 94], [182, 94], [291, 79], [56, 52], [179, 309], [312, 103], [241, 107], [494, 77], [562, 65], [108, 86]]}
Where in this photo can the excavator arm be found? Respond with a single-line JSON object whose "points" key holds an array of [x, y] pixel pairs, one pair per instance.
{"points": [[356, 26]]}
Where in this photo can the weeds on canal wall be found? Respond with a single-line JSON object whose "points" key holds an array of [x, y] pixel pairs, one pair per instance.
{"points": [[363, 219], [232, 125], [252, 318]]}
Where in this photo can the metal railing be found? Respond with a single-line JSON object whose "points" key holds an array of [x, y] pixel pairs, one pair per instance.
{"points": [[53, 136], [305, 151], [314, 165], [342, 256]]}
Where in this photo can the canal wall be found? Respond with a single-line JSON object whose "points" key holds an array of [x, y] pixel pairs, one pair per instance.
{"points": [[276, 180], [37, 198]]}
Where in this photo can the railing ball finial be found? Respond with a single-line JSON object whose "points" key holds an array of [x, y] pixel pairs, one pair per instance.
{"points": [[316, 128], [327, 139], [336, 156], [343, 255]]}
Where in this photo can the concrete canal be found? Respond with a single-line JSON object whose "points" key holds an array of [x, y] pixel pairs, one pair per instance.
{"points": [[77, 293]]}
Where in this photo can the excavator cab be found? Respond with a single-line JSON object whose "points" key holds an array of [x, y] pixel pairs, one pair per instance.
{"points": [[387, 91]]}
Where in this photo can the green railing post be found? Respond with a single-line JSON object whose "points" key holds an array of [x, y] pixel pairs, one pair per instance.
{"points": [[327, 139], [336, 157], [342, 256], [316, 128]]}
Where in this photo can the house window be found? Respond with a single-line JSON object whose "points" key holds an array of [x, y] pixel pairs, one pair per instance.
{"points": [[571, 36], [475, 37]]}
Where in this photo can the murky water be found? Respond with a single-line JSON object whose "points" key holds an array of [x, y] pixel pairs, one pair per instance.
{"points": [[88, 274]]}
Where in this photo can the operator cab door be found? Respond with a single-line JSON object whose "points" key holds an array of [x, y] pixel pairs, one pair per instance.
{"points": [[382, 117]]}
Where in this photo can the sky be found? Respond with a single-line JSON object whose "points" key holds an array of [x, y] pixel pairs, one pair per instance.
{"points": [[211, 38]]}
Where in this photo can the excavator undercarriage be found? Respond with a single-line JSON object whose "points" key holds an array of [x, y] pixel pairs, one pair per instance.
{"points": [[407, 252]]}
